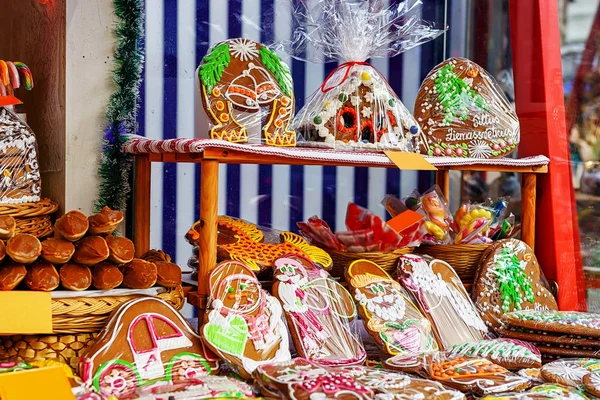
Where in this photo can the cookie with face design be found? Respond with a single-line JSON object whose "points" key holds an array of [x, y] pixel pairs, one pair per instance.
{"points": [[390, 317], [318, 311], [245, 324]]}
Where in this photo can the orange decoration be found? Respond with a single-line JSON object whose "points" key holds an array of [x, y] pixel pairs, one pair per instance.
{"points": [[220, 105], [242, 241], [224, 117], [473, 73], [216, 92]]}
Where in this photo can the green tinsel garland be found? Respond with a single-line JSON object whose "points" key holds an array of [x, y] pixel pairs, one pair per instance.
{"points": [[122, 107]]}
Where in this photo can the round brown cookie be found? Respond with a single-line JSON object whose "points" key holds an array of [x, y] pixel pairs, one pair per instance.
{"points": [[570, 371], [510, 279], [562, 322], [546, 337], [591, 383], [464, 113]]}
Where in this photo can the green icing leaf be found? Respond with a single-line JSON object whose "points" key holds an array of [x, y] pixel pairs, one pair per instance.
{"points": [[513, 283], [277, 68], [455, 96], [214, 63]]}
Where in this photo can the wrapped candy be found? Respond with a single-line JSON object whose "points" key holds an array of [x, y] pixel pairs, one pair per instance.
{"points": [[367, 231], [319, 233], [438, 214], [355, 108]]}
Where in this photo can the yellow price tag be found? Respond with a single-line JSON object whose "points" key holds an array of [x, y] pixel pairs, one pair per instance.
{"points": [[25, 313]]}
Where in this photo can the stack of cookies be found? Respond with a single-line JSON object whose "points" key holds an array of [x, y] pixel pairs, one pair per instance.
{"points": [[557, 334]]}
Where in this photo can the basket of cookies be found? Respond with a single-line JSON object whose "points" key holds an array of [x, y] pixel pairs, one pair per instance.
{"points": [[89, 273]]}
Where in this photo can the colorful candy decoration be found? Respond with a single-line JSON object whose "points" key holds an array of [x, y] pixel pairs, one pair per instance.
{"points": [[9, 75]]}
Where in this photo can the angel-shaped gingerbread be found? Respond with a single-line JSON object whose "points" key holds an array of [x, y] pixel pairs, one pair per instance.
{"points": [[319, 311], [245, 324]]}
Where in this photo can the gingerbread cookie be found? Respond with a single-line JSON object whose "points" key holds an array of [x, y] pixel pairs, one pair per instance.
{"points": [[145, 340], [469, 375], [547, 391], [390, 317], [562, 322], [533, 374], [569, 371], [205, 387], [510, 279], [510, 354], [565, 351], [549, 337], [241, 241], [318, 311], [247, 94], [443, 299], [464, 113], [391, 385], [300, 379], [245, 324]]}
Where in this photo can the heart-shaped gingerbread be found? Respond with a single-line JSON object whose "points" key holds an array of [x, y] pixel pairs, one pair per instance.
{"points": [[463, 112], [510, 279]]}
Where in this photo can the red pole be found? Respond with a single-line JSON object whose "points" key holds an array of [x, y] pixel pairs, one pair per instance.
{"points": [[539, 98]]}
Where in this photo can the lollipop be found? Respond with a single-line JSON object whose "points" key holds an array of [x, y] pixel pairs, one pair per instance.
{"points": [[27, 77]]}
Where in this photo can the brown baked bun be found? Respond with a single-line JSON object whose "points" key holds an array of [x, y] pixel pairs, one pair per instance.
{"points": [[121, 249], [105, 222], [90, 251], [23, 248], [8, 226], [11, 274], [75, 276], [57, 251], [2, 250], [168, 274], [106, 276], [72, 226], [139, 274], [155, 255], [42, 276]]}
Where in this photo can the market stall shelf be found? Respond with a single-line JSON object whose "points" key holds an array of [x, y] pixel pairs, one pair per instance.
{"points": [[211, 153]]}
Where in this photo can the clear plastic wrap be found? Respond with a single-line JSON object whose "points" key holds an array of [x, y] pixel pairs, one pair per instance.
{"points": [[463, 112], [467, 374], [145, 342], [257, 247], [441, 297], [319, 312], [244, 324], [570, 371], [207, 387], [508, 353], [390, 317], [247, 95], [300, 379], [20, 180], [509, 279], [355, 107], [546, 391]]}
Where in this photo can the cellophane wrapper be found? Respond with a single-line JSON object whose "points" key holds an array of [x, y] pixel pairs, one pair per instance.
{"points": [[355, 108]]}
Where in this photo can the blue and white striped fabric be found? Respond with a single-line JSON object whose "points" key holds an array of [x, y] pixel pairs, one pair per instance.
{"points": [[178, 34]]}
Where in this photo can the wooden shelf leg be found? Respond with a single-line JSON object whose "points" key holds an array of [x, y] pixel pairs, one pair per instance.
{"points": [[528, 194], [141, 204], [209, 207], [442, 178]]}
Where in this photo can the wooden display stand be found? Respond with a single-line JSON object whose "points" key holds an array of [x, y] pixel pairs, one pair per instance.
{"points": [[211, 154]]}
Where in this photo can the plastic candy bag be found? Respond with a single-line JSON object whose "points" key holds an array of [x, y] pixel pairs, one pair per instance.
{"points": [[355, 107], [439, 223]]}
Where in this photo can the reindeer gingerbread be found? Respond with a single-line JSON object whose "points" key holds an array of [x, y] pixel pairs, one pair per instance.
{"points": [[238, 80]]}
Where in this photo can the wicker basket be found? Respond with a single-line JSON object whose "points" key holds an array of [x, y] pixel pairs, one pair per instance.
{"points": [[464, 258], [89, 314], [33, 218], [65, 348], [388, 261]]}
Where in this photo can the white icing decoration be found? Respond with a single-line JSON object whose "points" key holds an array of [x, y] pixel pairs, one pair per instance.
{"points": [[243, 49], [366, 112]]}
